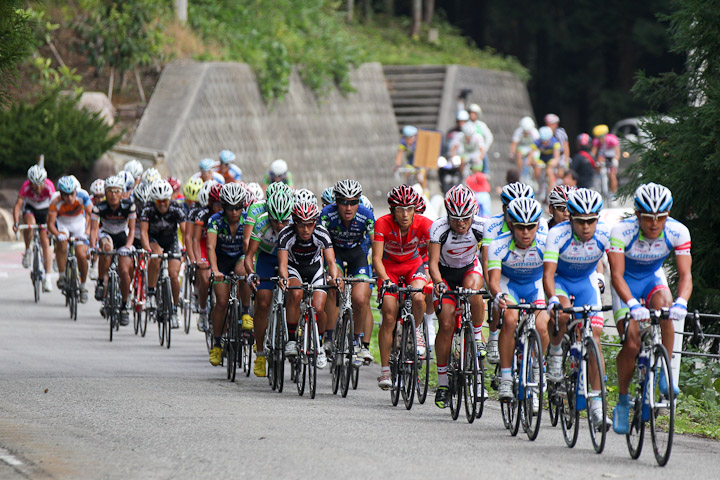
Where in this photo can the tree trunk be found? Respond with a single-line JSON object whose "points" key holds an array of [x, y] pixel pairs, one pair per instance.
{"points": [[181, 10], [112, 83], [367, 10], [350, 5], [140, 87], [429, 11], [416, 16], [390, 7]]}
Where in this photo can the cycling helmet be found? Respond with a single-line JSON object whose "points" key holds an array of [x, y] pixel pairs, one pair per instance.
{"points": [[546, 133], [516, 190], [134, 167], [584, 142], [233, 194], [421, 205], [66, 185], [402, 196], [460, 202], [161, 190], [584, 201], [475, 108], [327, 196], [409, 131], [214, 194], [527, 123], [304, 195], [256, 190], [207, 164], [347, 189], [114, 181], [600, 130], [462, 116], [37, 175], [304, 211], [559, 194], [174, 183], [469, 129], [279, 206], [277, 187], [150, 176], [203, 194], [278, 168], [128, 180], [97, 187], [141, 194], [653, 198], [524, 210], [192, 188], [551, 118], [365, 201], [226, 156]]}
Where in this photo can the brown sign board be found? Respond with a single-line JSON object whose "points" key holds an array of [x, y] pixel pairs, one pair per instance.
{"points": [[427, 149]]}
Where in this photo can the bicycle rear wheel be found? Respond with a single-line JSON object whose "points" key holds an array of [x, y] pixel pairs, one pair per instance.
{"points": [[246, 353], [533, 375], [168, 305], [636, 434], [409, 362], [312, 352], [231, 325], [567, 409], [423, 377], [300, 362], [187, 298], [662, 414], [597, 432], [348, 365], [470, 374]]}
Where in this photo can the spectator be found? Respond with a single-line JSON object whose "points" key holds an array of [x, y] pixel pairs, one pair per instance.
{"points": [[570, 178], [583, 163], [478, 182]]}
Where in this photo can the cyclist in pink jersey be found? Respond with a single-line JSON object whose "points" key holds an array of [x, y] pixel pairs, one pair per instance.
{"points": [[606, 148]]}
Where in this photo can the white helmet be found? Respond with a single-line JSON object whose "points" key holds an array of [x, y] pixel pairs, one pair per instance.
{"points": [[278, 168], [304, 195], [462, 116], [277, 187], [475, 108], [409, 131], [141, 195], [161, 190], [135, 168], [524, 210], [37, 175], [347, 189], [515, 190], [327, 196], [527, 123], [78, 186], [365, 201], [256, 191], [127, 178], [204, 194], [584, 201], [150, 176], [97, 187], [653, 198], [546, 133], [233, 194], [469, 129], [226, 156], [114, 181]]}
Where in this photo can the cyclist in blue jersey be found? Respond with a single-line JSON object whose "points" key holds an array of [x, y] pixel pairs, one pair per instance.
{"points": [[547, 150], [515, 270], [207, 173], [226, 167], [349, 224], [638, 247], [573, 252], [225, 252]]}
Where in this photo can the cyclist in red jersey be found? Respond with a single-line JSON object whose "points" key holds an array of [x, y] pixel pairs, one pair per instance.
{"points": [[398, 237]]}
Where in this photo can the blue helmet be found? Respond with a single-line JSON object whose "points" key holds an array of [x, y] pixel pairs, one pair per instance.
{"points": [[327, 196], [365, 202], [584, 201], [226, 156], [206, 164], [409, 131], [515, 190], [524, 210], [66, 185], [653, 198]]}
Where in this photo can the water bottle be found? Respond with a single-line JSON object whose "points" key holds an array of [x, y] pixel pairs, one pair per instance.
{"points": [[456, 348], [644, 365], [575, 356], [581, 402]]}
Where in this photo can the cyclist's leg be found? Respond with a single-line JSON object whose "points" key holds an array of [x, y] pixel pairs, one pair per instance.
{"points": [[28, 219], [40, 217], [293, 299], [153, 265], [385, 334], [243, 287], [418, 278], [105, 244], [443, 340], [660, 297], [222, 294], [263, 299], [629, 351]]}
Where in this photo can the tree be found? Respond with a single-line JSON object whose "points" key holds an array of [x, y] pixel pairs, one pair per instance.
{"points": [[416, 18], [16, 43], [683, 152]]}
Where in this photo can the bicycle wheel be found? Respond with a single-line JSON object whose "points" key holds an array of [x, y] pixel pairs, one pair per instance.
{"points": [[597, 432], [395, 355], [636, 434], [567, 409], [533, 376], [454, 376], [300, 362], [336, 364], [423, 377], [279, 360], [662, 414], [168, 305], [481, 389], [470, 374], [36, 273], [312, 352], [409, 362], [209, 340], [349, 353], [110, 306], [187, 298], [517, 400], [160, 316], [143, 324], [230, 353], [246, 353]]}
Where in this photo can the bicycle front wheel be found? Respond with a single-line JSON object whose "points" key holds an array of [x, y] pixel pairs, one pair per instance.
{"points": [[246, 352], [187, 299], [408, 362], [636, 434], [395, 366], [470, 374], [348, 360], [593, 359], [662, 404], [168, 306], [231, 324], [423, 377], [567, 409], [300, 361], [36, 274], [336, 362], [533, 380], [313, 346], [279, 353]]}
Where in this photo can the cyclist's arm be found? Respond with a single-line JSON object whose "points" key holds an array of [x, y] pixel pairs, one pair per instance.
{"points": [[494, 281], [88, 214], [377, 258], [212, 256], [549, 269], [250, 256], [513, 149], [197, 239], [685, 286], [399, 158], [247, 231], [190, 242], [51, 219], [282, 256], [17, 209], [132, 223], [182, 226], [617, 270], [433, 262], [329, 254], [145, 235], [94, 228]]}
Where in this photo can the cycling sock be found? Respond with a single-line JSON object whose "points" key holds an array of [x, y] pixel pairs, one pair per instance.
{"points": [[328, 335], [556, 349], [385, 370], [597, 401], [366, 345], [442, 375], [151, 290], [494, 335], [623, 399], [246, 310], [506, 374], [218, 342], [478, 332], [101, 282], [291, 332]]}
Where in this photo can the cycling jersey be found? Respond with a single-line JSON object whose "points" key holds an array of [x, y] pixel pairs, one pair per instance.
{"points": [[70, 209], [408, 150], [576, 259], [521, 269], [347, 236], [457, 251], [525, 139], [287, 180], [547, 149], [397, 248], [37, 201], [264, 234], [162, 227], [216, 176], [304, 252], [228, 244], [606, 147], [234, 173], [486, 133], [114, 221], [254, 212], [496, 225], [470, 148]]}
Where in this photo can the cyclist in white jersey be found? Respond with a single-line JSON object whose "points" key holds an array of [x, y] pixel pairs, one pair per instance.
{"points": [[453, 262], [638, 247], [522, 140]]}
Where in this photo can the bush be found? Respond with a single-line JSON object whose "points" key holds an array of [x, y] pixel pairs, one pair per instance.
{"points": [[70, 138]]}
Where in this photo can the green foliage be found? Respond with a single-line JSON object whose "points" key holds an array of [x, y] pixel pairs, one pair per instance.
{"points": [[16, 43], [683, 151], [70, 138], [698, 407], [61, 78]]}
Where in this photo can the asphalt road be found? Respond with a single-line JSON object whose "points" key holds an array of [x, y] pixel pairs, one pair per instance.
{"points": [[75, 406]]}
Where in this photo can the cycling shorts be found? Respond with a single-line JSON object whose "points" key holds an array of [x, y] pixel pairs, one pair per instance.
{"points": [[411, 270], [454, 277], [73, 227], [585, 291], [531, 292], [525, 150], [643, 288], [266, 267], [314, 274], [40, 214], [354, 260], [118, 239], [137, 244], [226, 264], [168, 244]]}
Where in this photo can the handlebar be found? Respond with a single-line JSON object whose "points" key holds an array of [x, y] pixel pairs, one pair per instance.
{"points": [[372, 281], [32, 227]]}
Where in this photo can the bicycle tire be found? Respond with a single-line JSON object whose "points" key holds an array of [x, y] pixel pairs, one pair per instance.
{"points": [[534, 362], [300, 360], [636, 433], [409, 362], [662, 416], [593, 356], [230, 350], [569, 415], [423, 377], [313, 346], [395, 376], [36, 273], [454, 377], [168, 305], [470, 374], [110, 307], [482, 389], [517, 401], [159, 314], [280, 352], [187, 298], [349, 353], [246, 353], [337, 355], [144, 323]]}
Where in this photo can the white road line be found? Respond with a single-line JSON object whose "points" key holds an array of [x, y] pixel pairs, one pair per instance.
{"points": [[9, 458]]}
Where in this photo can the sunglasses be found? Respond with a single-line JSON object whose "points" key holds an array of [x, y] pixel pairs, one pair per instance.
{"points": [[348, 203], [460, 219], [232, 208], [654, 216], [167, 200], [287, 220], [560, 208], [406, 208], [305, 224], [525, 226], [585, 220]]}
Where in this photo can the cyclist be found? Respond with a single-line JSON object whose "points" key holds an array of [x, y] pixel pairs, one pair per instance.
{"points": [[405, 156], [398, 236], [261, 262], [97, 191], [150, 176], [474, 112], [226, 167], [573, 252], [33, 202], [225, 252], [207, 173], [557, 199], [128, 183], [583, 163], [553, 122], [191, 190], [638, 247], [278, 173], [159, 224], [135, 168], [327, 197], [256, 191], [68, 216], [349, 223], [547, 154], [453, 262], [470, 146], [255, 210], [521, 147], [515, 270], [606, 149], [302, 246], [207, 205], [112, 225], [141, 197]]}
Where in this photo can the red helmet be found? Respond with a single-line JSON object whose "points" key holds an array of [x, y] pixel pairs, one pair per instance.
{"points": [[559, 194], [174, 183], [305, 211], [402, 196], [421, 205], [460, 202], [214, 195]]}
